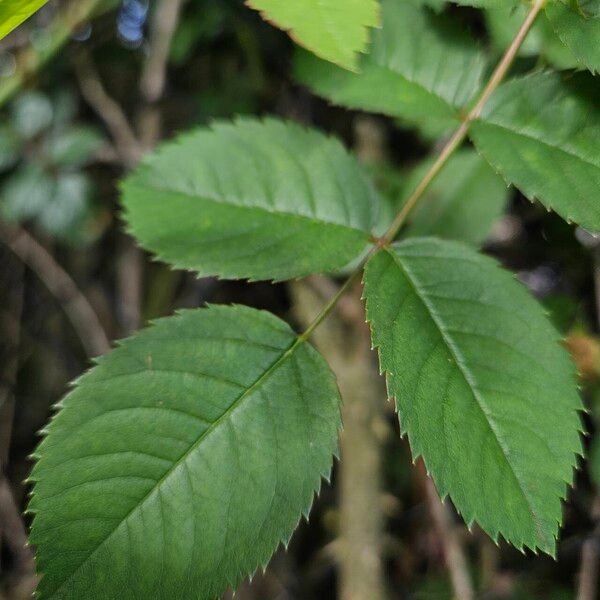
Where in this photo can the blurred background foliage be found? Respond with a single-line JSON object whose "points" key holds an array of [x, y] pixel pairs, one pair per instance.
{"points": [[63, 244]]}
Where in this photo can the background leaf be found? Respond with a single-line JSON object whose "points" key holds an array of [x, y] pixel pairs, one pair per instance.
{"points": [[336, 30], [462, 203], [31, 114], [256, 199], [14, 12], [181, 461], [542, 40], [541, 133], [74, 147], [579, 30], [483, 389], [421, 68]]}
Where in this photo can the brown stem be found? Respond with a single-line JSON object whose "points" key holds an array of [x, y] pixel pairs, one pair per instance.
{"points": [[152, 84], [454, 554], [79, 311], [587, 578], [12, 300], [344, 341], [461, 133], [109, 111], [448, 150], [14, 534], [154, 75]]}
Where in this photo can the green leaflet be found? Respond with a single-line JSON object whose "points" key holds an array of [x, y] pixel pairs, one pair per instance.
{"points": [[579, 29], [462, 203], [14, 12], [255, 199], [421, 68], [336, 30], [181, 461], [541, 133], [483, 389]]}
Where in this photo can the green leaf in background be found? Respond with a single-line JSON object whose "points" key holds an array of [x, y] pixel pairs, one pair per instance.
{"points": [[74, 147], [579, 30], [336, 30], [25, 193], [486, 3], [504, 21], [421, 68], [14, 12], [463, 202], [65, 212], [541, 133], [179, 463], [439, 4], [59, 203], [32, 113], [483, 388], [252, 199]]}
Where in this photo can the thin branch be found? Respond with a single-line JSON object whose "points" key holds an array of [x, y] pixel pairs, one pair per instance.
{"points": [[15, 537], [152, 85], [344, 342], [154, 74], [456, 561], [164, 23], [587, 578], [109, 111], [12, 300], [461, 133], [76, 306], [450, 148]]}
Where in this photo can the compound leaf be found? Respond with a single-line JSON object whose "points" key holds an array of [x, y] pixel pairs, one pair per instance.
{"points": [[483, 389], [181, 461], [252, 199], [421, 68], [14, 12], [541, 133], [336, 30]]}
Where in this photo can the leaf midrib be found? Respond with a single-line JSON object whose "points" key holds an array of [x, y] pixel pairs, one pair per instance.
{"points": [[469, 378], [149, 187], [286, 353]]}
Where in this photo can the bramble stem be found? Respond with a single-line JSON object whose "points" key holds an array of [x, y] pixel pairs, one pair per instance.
{"points": [[461, 133], [449, 149]]}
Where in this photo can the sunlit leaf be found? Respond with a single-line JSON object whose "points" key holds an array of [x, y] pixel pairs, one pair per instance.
{"points": [[336, 30]]}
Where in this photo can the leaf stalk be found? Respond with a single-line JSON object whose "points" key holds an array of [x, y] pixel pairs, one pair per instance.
{"points": [[449, 149]]}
